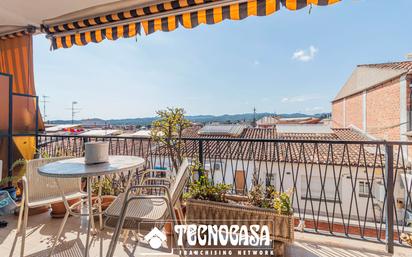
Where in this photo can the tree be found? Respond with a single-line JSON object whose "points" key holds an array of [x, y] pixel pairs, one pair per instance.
{"points": [[168, 130]]}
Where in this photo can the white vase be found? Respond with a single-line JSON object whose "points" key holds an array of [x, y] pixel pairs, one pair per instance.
{"points": [[96, 152]]}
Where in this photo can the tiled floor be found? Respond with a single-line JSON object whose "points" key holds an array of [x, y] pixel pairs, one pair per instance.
{"points": [[42, 229]]}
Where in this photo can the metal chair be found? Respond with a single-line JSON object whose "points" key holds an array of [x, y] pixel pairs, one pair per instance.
{"points": [[39, 191], [135, 207]]}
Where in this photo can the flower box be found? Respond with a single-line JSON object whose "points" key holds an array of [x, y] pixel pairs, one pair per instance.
{"points": [[281, 227]]}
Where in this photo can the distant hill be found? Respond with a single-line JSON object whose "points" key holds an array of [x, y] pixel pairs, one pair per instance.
{"points": [[226, 118]]}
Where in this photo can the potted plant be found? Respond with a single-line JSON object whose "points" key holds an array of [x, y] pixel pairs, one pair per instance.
{"points": [[58, 208], [108, 192], [10, 183], [209, 204]]}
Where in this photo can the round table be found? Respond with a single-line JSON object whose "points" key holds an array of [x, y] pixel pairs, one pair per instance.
{"points": [[77, 168]]}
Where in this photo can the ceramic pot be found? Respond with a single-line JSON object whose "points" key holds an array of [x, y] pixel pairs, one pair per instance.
{"points": [[59, 210]]}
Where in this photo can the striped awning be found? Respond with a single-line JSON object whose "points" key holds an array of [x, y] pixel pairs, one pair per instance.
{"points": [[23, 32], [165, 16]]}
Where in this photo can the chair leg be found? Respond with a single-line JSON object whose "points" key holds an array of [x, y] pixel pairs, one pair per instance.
{"points": [[59, 232], [136, 236], [100, 203], [20, 216], [125, 235], [23, 234], [19, 225], [174, 223], [117, 231], [180, 213]]}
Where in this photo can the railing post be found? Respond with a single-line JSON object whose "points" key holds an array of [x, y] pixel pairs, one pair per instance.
{"points": [[200, 156], [389, 196]]}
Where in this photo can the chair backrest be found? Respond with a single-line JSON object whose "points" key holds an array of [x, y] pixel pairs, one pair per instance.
{"points": [[41, 187], [182, 176]]}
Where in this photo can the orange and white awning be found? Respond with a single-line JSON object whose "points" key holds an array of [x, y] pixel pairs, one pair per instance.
{"points": [[164, 16]]}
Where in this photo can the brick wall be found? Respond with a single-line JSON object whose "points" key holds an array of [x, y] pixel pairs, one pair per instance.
{"points": [[337, 114], [354, 110], [383, 111]]}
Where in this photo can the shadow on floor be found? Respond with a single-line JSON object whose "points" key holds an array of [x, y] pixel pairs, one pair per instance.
{"points": [[310, 249]]}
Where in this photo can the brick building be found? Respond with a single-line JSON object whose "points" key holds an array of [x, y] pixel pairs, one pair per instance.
{"points": [[376, 99]]}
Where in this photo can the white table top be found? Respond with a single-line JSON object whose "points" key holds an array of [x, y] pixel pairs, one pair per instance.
{"points": [[75, 168]]}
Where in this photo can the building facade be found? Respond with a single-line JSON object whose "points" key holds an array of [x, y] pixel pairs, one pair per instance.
{"points": [[376, 99]]}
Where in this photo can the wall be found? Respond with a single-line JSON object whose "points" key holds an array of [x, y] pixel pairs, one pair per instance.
{"points": [[383, 111], [354, 110], [338, 120], [377, 111]]}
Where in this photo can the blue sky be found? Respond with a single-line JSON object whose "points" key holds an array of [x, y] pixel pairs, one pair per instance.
{"points": [[286, 62]]}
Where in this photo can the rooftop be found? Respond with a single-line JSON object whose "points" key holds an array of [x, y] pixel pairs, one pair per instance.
{"points": [[403, 65], [278, 151], [366, 76], [297, 132]]}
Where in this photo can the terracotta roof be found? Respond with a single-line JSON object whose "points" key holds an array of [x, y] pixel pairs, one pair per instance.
{"points": [[404, 65], [295, 152], [344, 134]]}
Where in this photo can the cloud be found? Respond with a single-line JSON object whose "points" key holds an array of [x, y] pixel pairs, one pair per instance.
{"points": [[256, 62], [305, 55], [299, 98]]}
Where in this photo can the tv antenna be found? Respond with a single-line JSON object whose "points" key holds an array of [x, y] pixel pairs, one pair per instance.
{"points": [[74, 110]]}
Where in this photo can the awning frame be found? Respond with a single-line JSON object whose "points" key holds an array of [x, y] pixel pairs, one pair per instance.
{"points": [[24, 31]]}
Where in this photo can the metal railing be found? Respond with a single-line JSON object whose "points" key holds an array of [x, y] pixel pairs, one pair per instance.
{"points": [[355, 189]]}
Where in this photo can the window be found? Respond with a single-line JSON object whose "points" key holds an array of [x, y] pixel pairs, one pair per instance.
{"points": [[363, 189], [214, 166], [217, 166], [271, 179]]}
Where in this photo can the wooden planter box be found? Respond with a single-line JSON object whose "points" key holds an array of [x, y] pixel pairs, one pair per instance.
{"points": [[281, 227]]}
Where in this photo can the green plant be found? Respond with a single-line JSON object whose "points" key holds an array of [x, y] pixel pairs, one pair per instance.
{"points": [[107, 188], [168, 130], [204, 189], [270, 198], [260, 197], [19, 165], [282, 203]]}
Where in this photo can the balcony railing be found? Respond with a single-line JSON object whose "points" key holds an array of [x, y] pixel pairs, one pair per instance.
{"points": [[355, 189]]}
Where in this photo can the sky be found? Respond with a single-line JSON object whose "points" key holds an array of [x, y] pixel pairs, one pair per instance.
{"points": [[291, 61]]}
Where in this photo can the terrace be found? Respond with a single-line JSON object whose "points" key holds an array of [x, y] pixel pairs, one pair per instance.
{"points": [[350, 194], [341, 199], [43, 229]]}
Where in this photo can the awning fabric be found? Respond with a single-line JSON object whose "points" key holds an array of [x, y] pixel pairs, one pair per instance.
{"points": [[16, 59], [165, 17]]}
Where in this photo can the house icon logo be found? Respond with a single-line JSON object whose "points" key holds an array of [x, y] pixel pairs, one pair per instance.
{"points": [[155, 238]]}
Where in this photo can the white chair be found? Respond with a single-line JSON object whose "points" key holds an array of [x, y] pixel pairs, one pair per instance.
{"points": [[129, 209], [40, 190]]}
